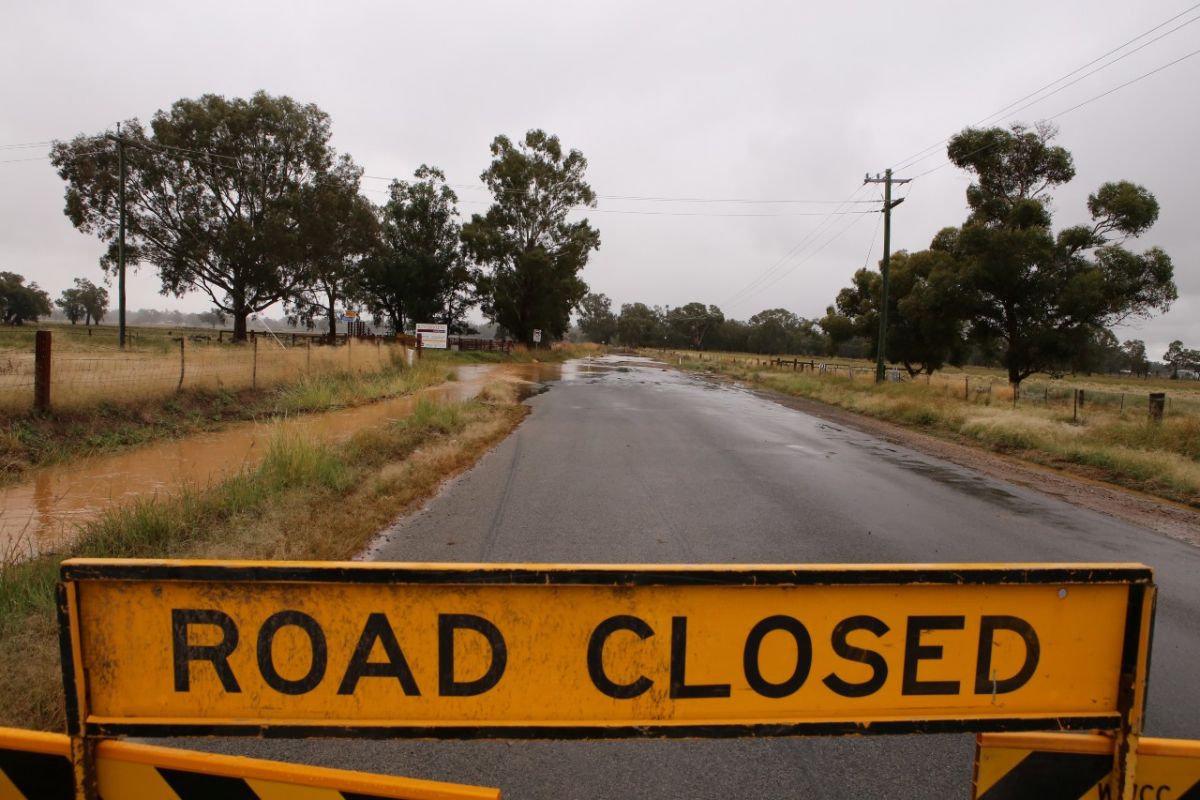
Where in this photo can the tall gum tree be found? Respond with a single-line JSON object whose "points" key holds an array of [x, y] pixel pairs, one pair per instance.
{"points": [[211, 195], [339, 229], [1031, 297], [531, 253], [418, 273]]}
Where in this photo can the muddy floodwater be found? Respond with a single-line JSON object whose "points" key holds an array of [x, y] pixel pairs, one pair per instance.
{"points": [[43, 512]]}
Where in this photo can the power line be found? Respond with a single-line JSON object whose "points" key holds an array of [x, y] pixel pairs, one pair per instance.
{"points": [[912, 159], [751, 287], [647, 198], [845, 229], [1077, 106]]}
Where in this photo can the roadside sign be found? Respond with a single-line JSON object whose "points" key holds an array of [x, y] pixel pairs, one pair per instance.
{"points": [[537, 335], [1059, 766], [433, 336], [37, 766], [452, 650]]}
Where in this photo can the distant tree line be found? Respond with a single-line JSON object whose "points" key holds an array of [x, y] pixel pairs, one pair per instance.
{"points": [[1002, 288], [246, 202]]}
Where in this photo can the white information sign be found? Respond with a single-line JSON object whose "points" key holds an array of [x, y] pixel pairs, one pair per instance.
{"points": [[432, 335], [537, 335]]}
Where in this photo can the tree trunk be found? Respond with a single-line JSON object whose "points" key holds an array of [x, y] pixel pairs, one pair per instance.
{"points": [[1014, 377], [332, 318], [239, 323]]}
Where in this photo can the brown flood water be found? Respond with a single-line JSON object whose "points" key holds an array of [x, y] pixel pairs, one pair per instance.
{"points": [[43, 512]]}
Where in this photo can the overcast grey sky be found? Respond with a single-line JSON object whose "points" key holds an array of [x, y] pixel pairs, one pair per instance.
{"points": [[748, 100]]}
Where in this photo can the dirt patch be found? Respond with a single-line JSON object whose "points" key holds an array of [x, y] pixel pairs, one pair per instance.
{"points": [[1172, 519]]}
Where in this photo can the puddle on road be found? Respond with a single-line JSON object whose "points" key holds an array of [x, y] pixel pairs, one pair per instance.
{"points": [[43, 512]]}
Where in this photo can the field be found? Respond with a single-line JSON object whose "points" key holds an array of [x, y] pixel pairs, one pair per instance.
{"points": [[90, 369], [1103, 433]]}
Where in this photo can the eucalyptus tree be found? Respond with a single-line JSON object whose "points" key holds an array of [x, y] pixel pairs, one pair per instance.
{"points": [[530, 253], [212, 193]]}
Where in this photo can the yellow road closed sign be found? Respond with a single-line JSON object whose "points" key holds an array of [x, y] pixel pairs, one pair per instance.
{"points": [[448, 650], [1057, 766], [37, 766]]}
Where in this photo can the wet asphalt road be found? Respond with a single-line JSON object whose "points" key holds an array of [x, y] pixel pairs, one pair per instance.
{"points": [[650, 465]]}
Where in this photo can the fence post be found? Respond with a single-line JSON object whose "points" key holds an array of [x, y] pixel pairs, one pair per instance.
{"points": [[181, 363], [307, 354], [1158, 401], [1074, 405], [1122, 402], [41, 371], [967, 389], [254, 368], [349, 360], [418, 347]]}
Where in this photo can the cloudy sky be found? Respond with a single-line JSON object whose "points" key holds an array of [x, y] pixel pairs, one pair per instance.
{"points": [[691, 103]]}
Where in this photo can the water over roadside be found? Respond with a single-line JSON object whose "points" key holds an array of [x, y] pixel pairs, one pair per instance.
{"points": [[43, 512]]}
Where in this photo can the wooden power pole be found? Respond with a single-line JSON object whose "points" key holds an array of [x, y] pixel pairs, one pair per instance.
{"points": [[887, 180]]}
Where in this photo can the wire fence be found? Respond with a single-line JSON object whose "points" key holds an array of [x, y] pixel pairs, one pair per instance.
{"points": [[103, 373], [1072, 398]]}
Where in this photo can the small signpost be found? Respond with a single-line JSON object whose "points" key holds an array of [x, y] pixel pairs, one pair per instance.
{"points": [[537, 335], [432, 335]]}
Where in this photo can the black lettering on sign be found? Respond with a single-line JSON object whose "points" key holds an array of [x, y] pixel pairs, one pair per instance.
{"points": [[915, 653], [984, 682], [754, 640], [183, 652], [266, 657], [680, 690], [874, 660], [595, 656], [378, 629], [448, 685]]}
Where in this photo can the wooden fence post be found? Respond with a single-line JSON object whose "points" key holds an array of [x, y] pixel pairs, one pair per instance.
{"points": [[181, 364], [254, 368], [41, 371], [1158, 402]]}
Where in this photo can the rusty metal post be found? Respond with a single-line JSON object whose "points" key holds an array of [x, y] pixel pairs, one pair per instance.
{"points": [[181, 363], [1074, 405], [41, 371]]}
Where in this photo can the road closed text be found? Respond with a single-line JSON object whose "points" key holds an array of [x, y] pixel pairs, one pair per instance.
{"points": [[383, 654]]}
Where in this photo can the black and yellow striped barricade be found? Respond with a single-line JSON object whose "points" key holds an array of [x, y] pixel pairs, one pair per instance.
{"points": [[1063, 766], [37, 766]]}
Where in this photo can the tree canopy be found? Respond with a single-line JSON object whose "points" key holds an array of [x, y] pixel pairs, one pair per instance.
{"points": [[339, 229], [21, 302], [1033, 298], [418, 273], [84, 301], [531, 254], [596, 319], [214, 197]]}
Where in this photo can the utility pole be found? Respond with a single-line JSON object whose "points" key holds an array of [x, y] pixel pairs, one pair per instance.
{"points": [[120, 238], [887, 180]]}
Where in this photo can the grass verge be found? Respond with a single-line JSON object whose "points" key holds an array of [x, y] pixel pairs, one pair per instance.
{"points": [[306, 500], [32, 440], [1122, 447]]}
